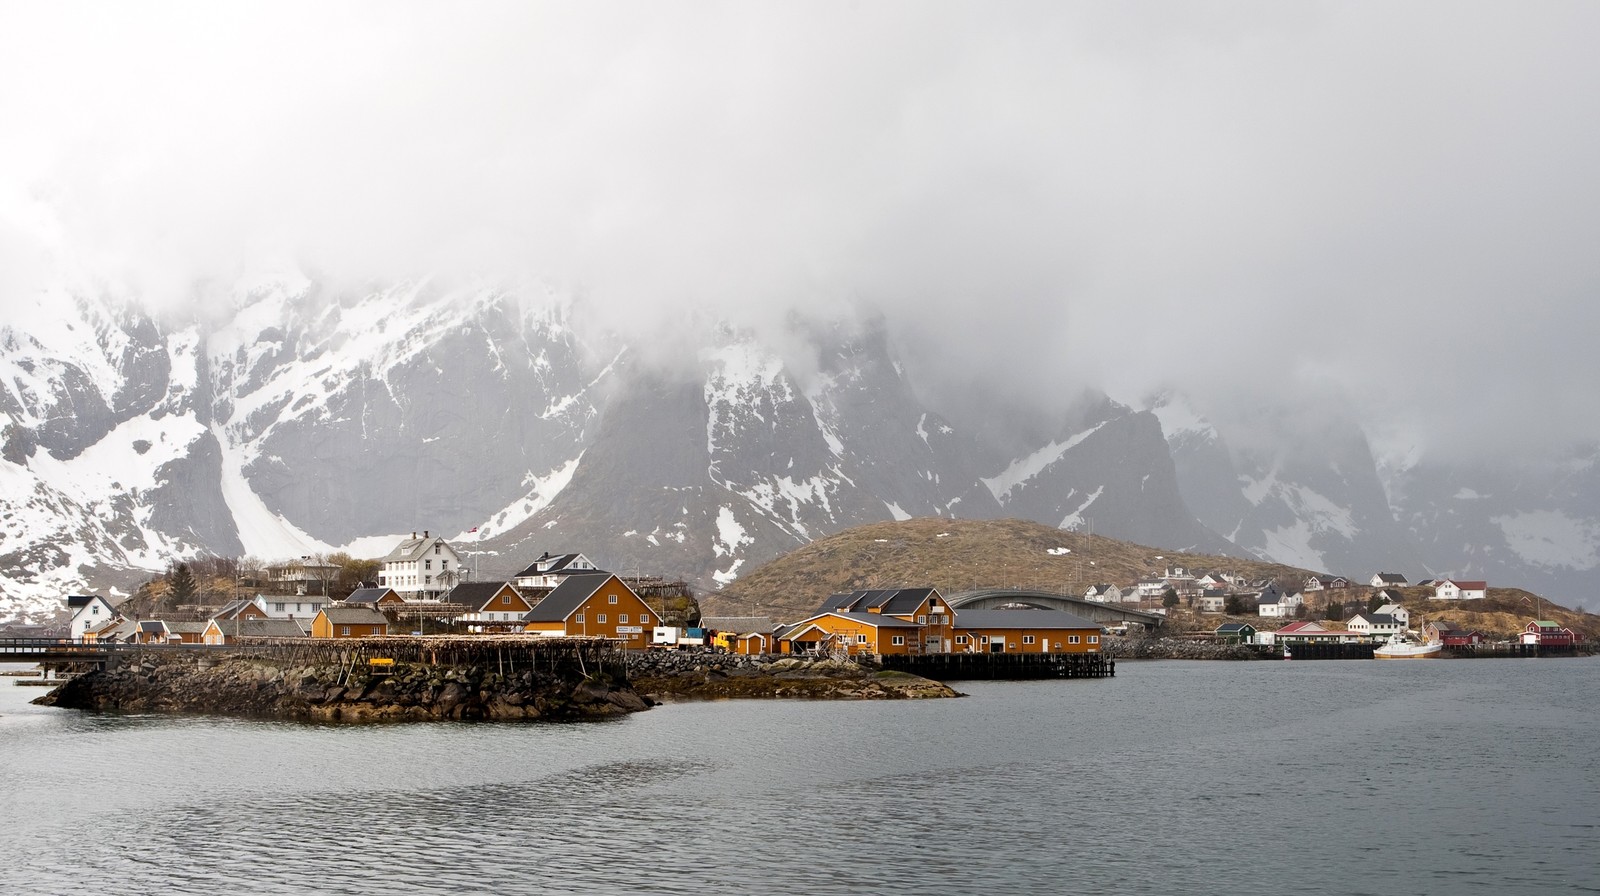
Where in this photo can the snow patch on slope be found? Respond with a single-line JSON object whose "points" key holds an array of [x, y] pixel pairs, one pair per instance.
{"points": [[1551, 538], [1028, 467], [1075, 519]]}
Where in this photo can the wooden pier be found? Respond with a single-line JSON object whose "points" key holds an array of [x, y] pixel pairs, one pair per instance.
{"points": [[986, 666]]}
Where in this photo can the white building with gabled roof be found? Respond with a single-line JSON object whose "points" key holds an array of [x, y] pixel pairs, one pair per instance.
{"points": [[421, 569]]}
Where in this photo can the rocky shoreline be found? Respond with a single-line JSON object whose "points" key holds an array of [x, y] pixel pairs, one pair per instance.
{"points": [[266, 687], [684, 675], [1179, 649], [335, 687]]}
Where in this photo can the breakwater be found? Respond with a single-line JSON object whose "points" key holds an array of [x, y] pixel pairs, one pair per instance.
{"points": [[1177, 649], [703, 675], [367, 679]]}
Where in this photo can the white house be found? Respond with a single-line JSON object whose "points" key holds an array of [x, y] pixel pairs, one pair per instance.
{"points": [[548, 571], [1459, 589], [1400, 614], [290, 606], [1105, 594], [421, 569], [1211, 601], [1151, 588], [1387, 580], [1374, 625], [89, 611], [1284, 607]]}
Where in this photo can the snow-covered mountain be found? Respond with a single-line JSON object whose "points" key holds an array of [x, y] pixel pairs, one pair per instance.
{"points": [[294, 418], [1284, 488]]}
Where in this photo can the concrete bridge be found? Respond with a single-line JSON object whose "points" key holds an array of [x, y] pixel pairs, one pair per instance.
{"points": [[1105, 614]]}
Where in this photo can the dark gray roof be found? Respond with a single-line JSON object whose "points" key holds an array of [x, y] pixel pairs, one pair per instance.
{"points": [[413, 548], [554, 566], [564, 599], [78, 601], [152, 625], [1235, 627], [891, 601], [362, 615], [1376, 618], [262, 628], [368, 596], [475, 594], [232, 608], [1391, 578], [1026, 618]]}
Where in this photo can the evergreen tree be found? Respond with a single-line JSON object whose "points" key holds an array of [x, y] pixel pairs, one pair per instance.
{"points": [[1334, 611], [1169, 598], [183, 586]]}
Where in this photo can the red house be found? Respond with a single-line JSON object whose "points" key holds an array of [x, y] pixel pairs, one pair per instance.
{"points": [[1545, 633]]}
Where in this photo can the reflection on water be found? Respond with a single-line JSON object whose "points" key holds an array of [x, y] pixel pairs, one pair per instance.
{"points": [[1173, 777]]}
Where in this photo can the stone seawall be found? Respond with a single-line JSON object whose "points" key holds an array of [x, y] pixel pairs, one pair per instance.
{"points": [[547, 682], [705, 675], [1177, 649]]}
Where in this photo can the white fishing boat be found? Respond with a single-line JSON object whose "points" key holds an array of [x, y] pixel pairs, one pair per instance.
{"points": [[1408, 647]]}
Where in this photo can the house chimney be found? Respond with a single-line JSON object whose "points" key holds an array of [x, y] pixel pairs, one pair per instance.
{"points": [[413, 535], [424, 533]]}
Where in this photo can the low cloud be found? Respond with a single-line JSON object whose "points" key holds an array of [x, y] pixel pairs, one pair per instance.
{"points": [[1392, 204]]}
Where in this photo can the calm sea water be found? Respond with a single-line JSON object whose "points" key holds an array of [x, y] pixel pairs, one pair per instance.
{"points": [[1175, 777]]}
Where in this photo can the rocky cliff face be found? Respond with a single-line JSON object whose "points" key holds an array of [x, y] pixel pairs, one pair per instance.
{"points": [[291, 418]]}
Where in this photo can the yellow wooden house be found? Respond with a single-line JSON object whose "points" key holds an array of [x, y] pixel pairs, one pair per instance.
{"points": [[1025, 631], [923, 607], [594, 605], [349, 622], [853, 633]]}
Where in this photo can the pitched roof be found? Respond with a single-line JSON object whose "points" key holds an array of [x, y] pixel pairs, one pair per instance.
{"points": [[876, 620], [889, 601], [151, 626], [369, 596], [1465, 585], [79, 601], [1231, 627], [262, 628], [1375, 618], [1305, 627], [1391, 578], [565, 599], [547, 565], [413, 548], [232, 608], [477, 595], [1026, 618], [362, 615]]}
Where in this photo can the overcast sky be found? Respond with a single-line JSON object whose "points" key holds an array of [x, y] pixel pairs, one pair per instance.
{"points": [[1391, 202]]}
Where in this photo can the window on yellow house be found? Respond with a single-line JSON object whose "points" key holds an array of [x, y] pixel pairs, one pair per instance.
{"points": [[899, 640], [1072, 639], [600, 619], [1027, 639], [861, 639]]}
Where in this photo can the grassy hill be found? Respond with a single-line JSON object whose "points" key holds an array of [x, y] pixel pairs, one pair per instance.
{"points": [[956, 555], [961, 555]]}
